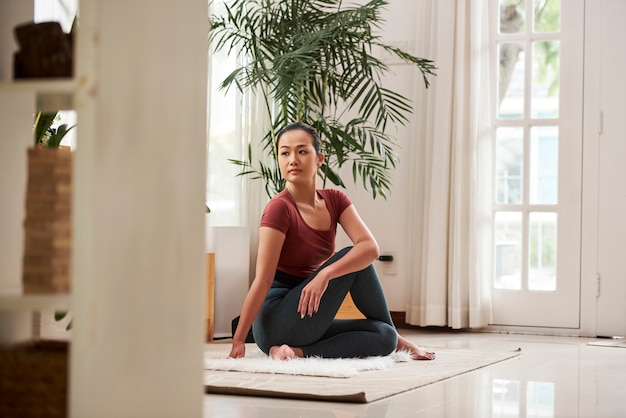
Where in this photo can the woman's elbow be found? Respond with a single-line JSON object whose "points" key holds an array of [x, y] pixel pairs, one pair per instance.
{"points": [[368, 248], [373, 250]]}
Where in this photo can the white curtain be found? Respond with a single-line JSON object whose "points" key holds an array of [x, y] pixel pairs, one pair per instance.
{"points": [[256, 123], [451, 212]]}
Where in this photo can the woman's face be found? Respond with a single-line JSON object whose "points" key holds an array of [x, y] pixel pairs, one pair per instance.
{"points": [[297, 158]]}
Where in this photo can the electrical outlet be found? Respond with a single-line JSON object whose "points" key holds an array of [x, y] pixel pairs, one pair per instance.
{"points": [[389, 268]]}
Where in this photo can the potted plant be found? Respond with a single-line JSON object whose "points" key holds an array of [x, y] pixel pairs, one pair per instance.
{"points": [[318, 61], [47, 227]]}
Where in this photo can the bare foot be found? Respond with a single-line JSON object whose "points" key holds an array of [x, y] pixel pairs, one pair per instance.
{"points": [[283, 352], [417, 353]]}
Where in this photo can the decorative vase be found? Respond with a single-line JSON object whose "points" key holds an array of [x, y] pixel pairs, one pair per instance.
{"points": [[47, 228]]}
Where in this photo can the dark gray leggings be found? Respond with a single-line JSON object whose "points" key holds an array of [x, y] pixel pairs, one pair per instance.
{"points": [[321, 335]]}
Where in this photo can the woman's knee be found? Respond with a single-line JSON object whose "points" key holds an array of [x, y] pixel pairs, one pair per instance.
{"points": [[370, 271], [390, 339]]}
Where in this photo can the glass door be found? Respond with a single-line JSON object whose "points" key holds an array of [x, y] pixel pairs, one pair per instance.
{"points": [[537, 149]]}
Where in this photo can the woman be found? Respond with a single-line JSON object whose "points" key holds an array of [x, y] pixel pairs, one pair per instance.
{"points": [[299, 283]]}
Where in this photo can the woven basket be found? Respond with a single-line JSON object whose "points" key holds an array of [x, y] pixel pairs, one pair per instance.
{"points": [[47, 228], [34, 379]]}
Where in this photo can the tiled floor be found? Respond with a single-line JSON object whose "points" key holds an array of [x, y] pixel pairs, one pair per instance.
{"points": [[553, 377]]}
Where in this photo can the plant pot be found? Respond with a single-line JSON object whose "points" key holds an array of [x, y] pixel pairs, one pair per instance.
{"points": [[47, 228]]}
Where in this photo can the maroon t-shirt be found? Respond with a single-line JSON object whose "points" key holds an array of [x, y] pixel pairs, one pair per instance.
{"points": [[305, 248]]}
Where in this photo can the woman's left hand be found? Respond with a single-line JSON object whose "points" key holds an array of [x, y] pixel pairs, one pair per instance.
{"points": [[312, 295]]}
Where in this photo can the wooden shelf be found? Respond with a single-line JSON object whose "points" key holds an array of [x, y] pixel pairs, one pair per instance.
{"points": [[52, 94], [18, 301]]}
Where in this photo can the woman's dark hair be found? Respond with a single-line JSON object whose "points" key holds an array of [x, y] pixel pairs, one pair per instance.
{"points": [[317, 143]]}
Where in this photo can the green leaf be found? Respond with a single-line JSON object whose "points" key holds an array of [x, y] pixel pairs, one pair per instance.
{"points": [[43, 122], [59, 315], [55, 138]]}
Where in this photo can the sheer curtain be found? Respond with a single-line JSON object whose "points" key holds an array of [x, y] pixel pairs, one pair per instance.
{"points": [[236, 120], [451, 206]]}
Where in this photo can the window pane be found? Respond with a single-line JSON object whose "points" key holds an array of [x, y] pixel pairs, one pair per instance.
{"points": [[224, 187], [511, 80], [545, 84], [508, 250], [542, 257], [509, 165], [544, 165], [547, 14], [512, 16]]}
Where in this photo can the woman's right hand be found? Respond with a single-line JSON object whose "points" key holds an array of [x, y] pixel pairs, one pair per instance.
{"points": [[238, 350]]}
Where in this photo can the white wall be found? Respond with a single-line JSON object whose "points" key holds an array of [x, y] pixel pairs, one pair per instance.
{"points": [[603, 304]]}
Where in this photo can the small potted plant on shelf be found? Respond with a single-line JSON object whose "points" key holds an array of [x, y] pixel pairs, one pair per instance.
{"points": [[47, 244]]}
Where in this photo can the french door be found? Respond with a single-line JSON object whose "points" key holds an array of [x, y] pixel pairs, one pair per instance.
{"points": [[537, 151]]}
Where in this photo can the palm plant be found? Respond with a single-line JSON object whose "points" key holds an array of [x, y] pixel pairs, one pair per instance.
{"points": [[315, 61]]}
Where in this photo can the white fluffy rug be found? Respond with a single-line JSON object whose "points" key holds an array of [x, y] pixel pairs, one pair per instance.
{"points": [[258, 362]]}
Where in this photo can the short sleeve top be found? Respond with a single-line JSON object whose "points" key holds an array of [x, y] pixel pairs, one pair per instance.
{"points": [[305, 248]]}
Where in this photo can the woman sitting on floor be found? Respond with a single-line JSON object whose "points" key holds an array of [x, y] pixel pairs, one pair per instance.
{"points": [[298, 289]]}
